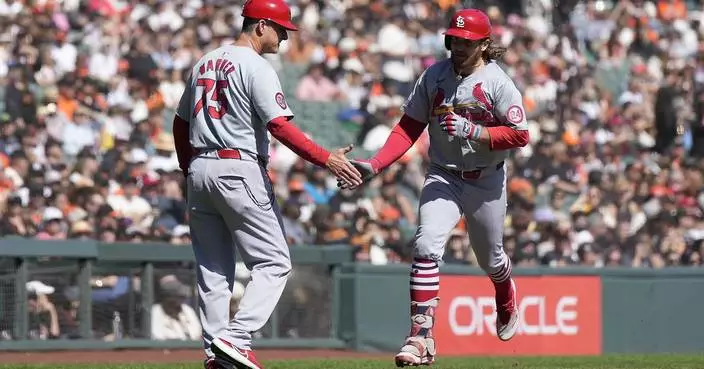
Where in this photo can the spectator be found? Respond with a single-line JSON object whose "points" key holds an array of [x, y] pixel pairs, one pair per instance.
{"points": [[314, 86], [181, 235], [295, 233], [14, 221], [52, 225], [333, 230], [612, 95], [79, 133], [129, 204], [456, 249], [81, 230], [172, 319], [43, 319], [317, 187]]}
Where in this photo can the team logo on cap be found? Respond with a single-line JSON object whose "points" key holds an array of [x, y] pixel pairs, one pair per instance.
{"points": [[280, 100], [459, 22]]}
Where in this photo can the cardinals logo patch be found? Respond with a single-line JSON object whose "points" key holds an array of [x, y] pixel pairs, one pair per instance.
{"points": [[280, 100], [514, 114]]}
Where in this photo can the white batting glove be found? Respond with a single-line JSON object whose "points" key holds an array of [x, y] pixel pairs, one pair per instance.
{"points": [[459, 126]]}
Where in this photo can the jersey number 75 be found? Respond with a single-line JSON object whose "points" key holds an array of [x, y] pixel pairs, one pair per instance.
{"points": [[217, 103]]}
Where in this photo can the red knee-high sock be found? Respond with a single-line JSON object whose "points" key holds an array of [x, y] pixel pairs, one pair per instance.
{"points": [[425, 280], [502, 281]]}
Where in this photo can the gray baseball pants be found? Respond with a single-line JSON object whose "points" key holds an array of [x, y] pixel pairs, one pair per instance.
{"points": [[231, 205]]}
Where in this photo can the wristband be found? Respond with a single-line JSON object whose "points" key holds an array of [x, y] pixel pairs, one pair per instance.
{"points": [[475, 132]]}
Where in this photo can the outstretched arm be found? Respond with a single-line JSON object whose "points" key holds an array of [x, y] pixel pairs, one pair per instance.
{"points": [[402, 137], [270, 105], [404, 134], [291, 136]]}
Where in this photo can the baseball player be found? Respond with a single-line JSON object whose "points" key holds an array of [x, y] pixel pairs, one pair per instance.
{"points": [[475, 117], [232, 98]]}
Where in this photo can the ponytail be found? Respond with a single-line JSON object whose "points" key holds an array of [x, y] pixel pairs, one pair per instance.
{"points": [[493, 52]]}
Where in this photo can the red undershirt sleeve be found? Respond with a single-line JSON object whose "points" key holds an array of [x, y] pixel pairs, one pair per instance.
{"points": [[184, 151], [506, 138], [288, 134], [402, 137]]}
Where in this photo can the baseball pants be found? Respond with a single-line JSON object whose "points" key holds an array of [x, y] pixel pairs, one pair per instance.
{"points": [[446, 197], [231, 205]]}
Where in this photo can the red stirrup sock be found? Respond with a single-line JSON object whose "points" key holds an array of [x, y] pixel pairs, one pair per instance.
{"points": [[425, 280]]}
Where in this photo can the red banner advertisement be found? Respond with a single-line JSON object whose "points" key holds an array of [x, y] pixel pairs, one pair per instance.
{"points": [[560, 315]]}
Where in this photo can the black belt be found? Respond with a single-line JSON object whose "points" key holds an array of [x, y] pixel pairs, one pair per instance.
{"points": [[471, 174]]}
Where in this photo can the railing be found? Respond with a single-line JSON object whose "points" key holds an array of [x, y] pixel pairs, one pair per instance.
{"points": [[306, 316]]}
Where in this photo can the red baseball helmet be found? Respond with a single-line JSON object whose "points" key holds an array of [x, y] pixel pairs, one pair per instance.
{"points": [[470, 24], [276, 11]]}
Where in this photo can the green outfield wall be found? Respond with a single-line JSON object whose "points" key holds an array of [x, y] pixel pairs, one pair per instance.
{"points": [[332, 302], [567, 311]]}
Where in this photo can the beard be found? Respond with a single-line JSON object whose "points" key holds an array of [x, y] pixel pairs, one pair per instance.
{"points": [[465, 60]]}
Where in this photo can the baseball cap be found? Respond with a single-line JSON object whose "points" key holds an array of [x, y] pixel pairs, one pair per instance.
{"points": [[470, 24], [38, 287], [81, 226], [138, 155], [181, 230], [52, 213], [173, 287]]}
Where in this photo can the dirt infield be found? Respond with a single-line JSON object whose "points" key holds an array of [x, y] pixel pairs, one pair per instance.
{"points": [[162, 356]]}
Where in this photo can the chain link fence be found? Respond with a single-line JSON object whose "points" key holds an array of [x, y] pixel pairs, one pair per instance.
{"points": [[116, 309], [49, 304], [8, 270], [124, 295], [133, 300], [304, 310], [119, 307]]}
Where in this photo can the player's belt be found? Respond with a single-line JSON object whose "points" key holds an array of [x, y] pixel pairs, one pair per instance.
{"points": [[471, 174], [236, 154], [228, 154]]}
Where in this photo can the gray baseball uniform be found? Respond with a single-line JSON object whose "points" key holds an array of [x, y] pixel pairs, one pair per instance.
{"points": [[487, 97], [231, 95]]}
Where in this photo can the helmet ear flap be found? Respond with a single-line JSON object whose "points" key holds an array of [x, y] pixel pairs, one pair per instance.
{"points": [[447, 42]]}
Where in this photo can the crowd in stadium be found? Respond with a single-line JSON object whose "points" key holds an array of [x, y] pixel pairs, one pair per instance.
{"points": [[612, 90]]}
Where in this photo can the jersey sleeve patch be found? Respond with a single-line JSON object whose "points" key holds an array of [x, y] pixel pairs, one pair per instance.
{"points": [[280, 100], [514, 114]]}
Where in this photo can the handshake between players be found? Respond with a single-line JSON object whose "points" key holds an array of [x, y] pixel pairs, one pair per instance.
{"points": [[350, 173]]}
